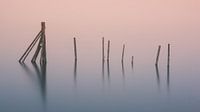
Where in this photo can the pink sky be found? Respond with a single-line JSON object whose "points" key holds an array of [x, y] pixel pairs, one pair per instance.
{"points": [[150, 20]]}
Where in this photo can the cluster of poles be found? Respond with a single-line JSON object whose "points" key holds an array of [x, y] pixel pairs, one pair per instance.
{"points": [[42, 49], [123, 51], [168, 64]]}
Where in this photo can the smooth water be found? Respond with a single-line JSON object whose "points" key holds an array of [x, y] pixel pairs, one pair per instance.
{"points": [[89, 85]]}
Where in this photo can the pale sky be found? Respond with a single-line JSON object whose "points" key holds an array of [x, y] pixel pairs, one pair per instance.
{"points": [[99, 17]]}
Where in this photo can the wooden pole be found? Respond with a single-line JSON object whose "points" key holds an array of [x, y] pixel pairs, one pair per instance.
{"points": [[23, 58], [103, 49], [168, 69], [41, 47], [43, 59], [123, 53], [123, 72], [75, 50], [168, 57], [108, 51], [37, 51], [158, 53]]}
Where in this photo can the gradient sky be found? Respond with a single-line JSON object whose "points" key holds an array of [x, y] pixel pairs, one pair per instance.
{"points": [[101, 13], [150, 20]]}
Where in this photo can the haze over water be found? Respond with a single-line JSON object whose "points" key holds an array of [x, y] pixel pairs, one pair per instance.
{"points": [[141, 25]]}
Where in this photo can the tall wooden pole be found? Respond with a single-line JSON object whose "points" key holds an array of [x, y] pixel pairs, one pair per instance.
{"points": [[41, 47], [108, 51], [168, 69], [103, 49], [43, 59], [168, 56], [158, 53], [75, 49], [123, 53], [24, 56]]}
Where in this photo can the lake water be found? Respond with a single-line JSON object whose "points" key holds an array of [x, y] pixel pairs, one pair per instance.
{"points": [[88, 85]]}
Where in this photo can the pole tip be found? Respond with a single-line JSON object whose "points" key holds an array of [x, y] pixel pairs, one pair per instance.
{"points": [[43, 25]]}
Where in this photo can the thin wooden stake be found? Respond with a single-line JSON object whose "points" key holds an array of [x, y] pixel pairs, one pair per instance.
{"points": [[158, 53], [123, 53], [28, 50], [75, 50], [41, 46], [108, 51], [43, 59], [103, 49], [168, 69], [168, 57]]}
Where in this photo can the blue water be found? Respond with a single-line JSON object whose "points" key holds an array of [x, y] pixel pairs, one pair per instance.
{"points": [[88, 85]]}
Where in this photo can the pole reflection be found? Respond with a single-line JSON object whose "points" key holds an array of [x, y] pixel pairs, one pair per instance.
{"points": [[168, 78], [40, 73], [108, 70], [103, 71], [158, 76], [123, 72], [75, 72]]}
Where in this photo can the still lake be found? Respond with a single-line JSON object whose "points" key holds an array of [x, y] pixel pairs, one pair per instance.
{"points": [[88, 85]]}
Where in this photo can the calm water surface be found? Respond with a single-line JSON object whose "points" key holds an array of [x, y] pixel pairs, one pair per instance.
{"points": [[89, 85]]}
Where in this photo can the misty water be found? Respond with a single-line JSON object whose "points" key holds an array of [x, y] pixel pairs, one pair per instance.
{"points": [[89, 85]]}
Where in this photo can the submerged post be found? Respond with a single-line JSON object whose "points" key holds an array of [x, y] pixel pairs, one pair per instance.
{"points": [[103, 49], [123, 53], [108, 51], [75, 50], [158, 53]]}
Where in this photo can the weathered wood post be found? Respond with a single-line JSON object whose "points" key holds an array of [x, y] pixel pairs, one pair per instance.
{"points": [[158, 53], [123, 71], [108, 51], [75, 49], [168, 67], [123, 53], [41, 47], [168, 56], [43, 59], [28, 50], [103, 49]]}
